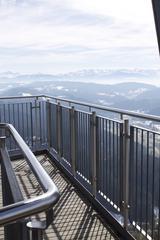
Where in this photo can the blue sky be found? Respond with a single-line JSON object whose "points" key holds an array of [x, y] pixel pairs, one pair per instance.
{"points": [[55, 36]]}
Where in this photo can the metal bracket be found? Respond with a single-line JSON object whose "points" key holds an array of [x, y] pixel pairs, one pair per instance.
{"points": [[37, 227]]}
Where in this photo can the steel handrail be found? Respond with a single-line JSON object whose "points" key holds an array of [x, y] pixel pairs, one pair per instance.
{"points": [[91, 105], [109, 109], [34, 205]]}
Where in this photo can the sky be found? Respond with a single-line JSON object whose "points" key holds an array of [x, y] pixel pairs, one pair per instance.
{"points": [[57, 36]]}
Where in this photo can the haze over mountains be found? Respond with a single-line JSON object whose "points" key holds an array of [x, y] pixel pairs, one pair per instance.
{"points": [[136, 90]]}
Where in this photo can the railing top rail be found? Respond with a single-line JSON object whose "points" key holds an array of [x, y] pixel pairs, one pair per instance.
{"points": [[145, 129], [109, 109], [90, 105], [21, 97], [37, 204]]}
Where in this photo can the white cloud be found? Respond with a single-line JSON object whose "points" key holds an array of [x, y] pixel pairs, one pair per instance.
{"points": [[68, 35]]}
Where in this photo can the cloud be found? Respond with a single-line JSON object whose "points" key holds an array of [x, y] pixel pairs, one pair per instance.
{"points": [[66, 34]]}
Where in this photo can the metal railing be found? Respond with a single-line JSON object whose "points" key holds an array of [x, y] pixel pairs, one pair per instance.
{"points": [[16, 208], [115, 160]]}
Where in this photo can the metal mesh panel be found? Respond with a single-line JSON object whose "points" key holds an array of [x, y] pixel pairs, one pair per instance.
{"points": [[66, 134], [109, 160], [145, 181], [83, 159]]}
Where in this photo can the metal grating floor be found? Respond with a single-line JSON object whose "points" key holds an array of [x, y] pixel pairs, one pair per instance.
{"points": [[74, 218]]}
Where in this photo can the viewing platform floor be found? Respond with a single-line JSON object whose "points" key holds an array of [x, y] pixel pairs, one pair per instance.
{"points": [[74, 217]]}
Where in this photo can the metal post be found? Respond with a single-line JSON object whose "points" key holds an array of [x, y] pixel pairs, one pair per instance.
{"points": [[36, 234], [73, 140], [59, 128], [16, 230], [125, 202], [49, 123], [93, 153], [36, 229]]}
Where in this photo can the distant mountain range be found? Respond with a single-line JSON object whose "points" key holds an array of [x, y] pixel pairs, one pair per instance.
{"points": [[93, 75], [126, 89]]}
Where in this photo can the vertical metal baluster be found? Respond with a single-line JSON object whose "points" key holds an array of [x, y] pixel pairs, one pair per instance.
{"points": [[88, 146], [76, 140], [73, 141], [59, 128], [100, 158], [83, 136], [103, 176], [136, 178], [62, 130], [153, 185], [27, 123], [19, 128], [132, 173], [40, 124], [109, 187], [80, 143], [121, 165], [106, 148], [14, 124], [81, 132], [111, 161], [36, 123], [97, 154], [4, 113], [9, 121], [85, 149], [48, 104], [22, 109], [31, 115], [141, 193], [147, 183], [114, 176], [126, 171], [118, 167], [93, 152]]}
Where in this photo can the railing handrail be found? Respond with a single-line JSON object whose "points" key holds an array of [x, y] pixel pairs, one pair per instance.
{"points": [[91, 105], [21, 97], [34, 205], [109, 109]]}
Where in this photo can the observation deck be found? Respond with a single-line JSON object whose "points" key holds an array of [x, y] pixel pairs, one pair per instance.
{"points": [[103, 165]]}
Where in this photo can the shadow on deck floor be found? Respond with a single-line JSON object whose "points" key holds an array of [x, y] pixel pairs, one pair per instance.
{"points": [[74, 218]]}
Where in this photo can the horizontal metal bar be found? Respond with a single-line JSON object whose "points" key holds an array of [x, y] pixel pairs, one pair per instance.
{"points": [[109, 119], [21, 97], [145, 129], [37, 204], [114, 110], [94, 106]]}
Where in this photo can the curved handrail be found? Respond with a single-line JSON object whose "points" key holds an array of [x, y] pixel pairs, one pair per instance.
{"points": [[34, 205]]}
